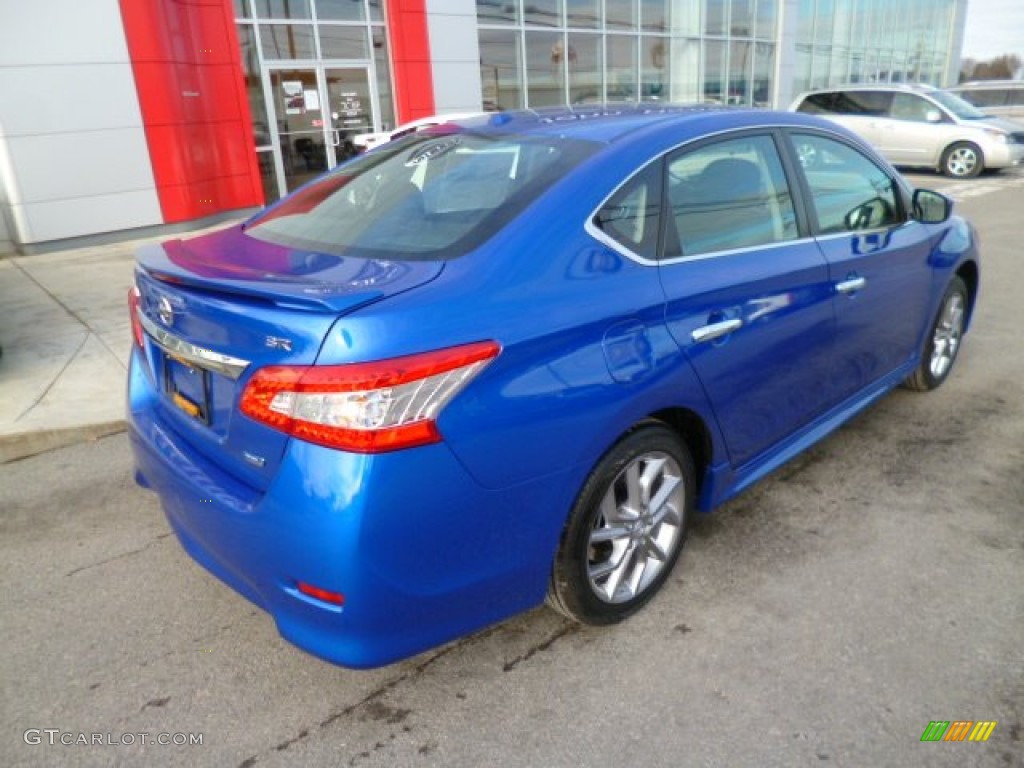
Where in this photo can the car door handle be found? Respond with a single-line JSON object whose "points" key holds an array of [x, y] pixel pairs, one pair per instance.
{"points": [[852, 285], [716, 330]]}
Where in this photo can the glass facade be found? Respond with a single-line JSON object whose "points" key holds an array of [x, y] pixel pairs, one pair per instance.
{"points": [[582, 51], [536, 53], [320, 45], [840, 41], [541, 52]]}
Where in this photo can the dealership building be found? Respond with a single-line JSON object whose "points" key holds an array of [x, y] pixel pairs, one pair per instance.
{"points": [[121, 116]]}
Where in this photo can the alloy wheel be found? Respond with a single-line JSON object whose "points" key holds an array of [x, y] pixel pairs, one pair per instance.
{"points": [[962, 161], [948, 332], [640, 522]]}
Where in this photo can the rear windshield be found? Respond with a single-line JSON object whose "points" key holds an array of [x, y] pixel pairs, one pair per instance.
{"points": [[433, 195]]}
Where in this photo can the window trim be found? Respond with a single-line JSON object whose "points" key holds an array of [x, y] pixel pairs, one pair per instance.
{"points": [[793, 180], [660, 234], [807, 222]]}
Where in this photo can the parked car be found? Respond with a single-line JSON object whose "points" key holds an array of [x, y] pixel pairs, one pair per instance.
{"points": [[918, 126], [366, 141], [998, 98], [511, 358]]}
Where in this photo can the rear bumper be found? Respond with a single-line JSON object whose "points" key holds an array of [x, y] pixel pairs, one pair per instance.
{"points": [[421, 552]]}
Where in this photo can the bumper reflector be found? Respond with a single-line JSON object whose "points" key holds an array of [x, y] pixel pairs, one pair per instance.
{"points": [[334, 598]]}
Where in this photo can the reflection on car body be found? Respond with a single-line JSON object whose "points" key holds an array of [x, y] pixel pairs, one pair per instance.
{"points": [[522, 353]]}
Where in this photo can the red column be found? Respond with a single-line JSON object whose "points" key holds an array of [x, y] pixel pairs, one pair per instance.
{"points": [[188, 75], [410, 59]]}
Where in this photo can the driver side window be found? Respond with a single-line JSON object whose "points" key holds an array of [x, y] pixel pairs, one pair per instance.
{"points": [[848, 191]]}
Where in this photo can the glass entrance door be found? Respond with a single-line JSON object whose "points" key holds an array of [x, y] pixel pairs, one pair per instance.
{"points": [[351, 105], [316, 112]]}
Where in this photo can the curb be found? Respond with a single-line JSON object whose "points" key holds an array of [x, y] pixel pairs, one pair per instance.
{"points": [[25, 444]]}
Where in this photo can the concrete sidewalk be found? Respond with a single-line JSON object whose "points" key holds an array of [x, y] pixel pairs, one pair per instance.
{"points": [[66, 338]]}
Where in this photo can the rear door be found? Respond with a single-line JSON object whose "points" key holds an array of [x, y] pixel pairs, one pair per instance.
{"points": [[747, 298], [877, 261]]}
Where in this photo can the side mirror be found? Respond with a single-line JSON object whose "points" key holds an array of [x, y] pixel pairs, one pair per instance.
{"points": [[933, 116], [931, 207]]}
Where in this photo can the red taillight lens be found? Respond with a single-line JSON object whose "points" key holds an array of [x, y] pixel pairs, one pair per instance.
{"points": [[134, 299], [365, 407]]}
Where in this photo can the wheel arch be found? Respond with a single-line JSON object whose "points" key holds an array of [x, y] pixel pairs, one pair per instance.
{"points": [[968, 272], [691, 429], [944, 154]]}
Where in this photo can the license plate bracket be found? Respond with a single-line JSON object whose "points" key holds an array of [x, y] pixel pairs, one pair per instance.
{"points": [[188, 388]]}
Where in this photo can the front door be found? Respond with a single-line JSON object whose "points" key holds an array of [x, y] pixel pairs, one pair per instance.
{"points": [[748, 299], [316, 110], [878, 263]]}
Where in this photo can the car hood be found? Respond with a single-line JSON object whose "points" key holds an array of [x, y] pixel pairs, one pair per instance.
{"points": [[230, 261], [1010, 126]]}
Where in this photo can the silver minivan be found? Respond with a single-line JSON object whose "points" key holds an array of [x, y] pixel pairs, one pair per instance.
{"points": [[921, 127]]}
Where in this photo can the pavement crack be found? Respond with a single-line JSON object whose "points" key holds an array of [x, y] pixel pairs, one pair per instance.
{"points": [[371, 701], [566, 630], [56, 378], [161, 702], [78, 318], [121, 556]]}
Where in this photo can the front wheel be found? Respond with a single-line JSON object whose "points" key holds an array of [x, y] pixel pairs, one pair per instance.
{"points": [[943, 343], [626, 529], [963, 160]]}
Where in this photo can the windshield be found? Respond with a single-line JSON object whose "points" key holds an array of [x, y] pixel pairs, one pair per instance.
{"points": [[432, 195], [957, 106]]}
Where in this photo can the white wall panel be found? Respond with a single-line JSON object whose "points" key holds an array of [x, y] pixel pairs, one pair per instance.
{"points": [[72, 141], [56, 166], [455, 55], [60, 219], [61, 32], [65, 98]]}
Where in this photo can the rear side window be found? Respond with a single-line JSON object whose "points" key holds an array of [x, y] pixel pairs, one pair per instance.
{"points": [[632, 216], [430, 195], [867, 103], [849, 192], [728, 195]]}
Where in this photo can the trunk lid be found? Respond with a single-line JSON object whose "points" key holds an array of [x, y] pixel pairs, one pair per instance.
{"points": [[218, 307]]}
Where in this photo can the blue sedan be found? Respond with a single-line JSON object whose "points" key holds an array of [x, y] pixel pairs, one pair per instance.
{"points": [[508, 359]]}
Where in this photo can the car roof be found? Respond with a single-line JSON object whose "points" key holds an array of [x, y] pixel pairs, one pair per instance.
{"points": [[610, 122], [987, 84], [904, 87]]}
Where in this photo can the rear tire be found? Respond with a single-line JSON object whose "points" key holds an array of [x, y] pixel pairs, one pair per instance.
{"points": [[943, 342], [626, 529], [963, 160]]}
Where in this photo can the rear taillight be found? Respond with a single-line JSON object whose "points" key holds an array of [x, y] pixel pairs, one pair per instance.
{"points": [[134, 299], [365, 407]]}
